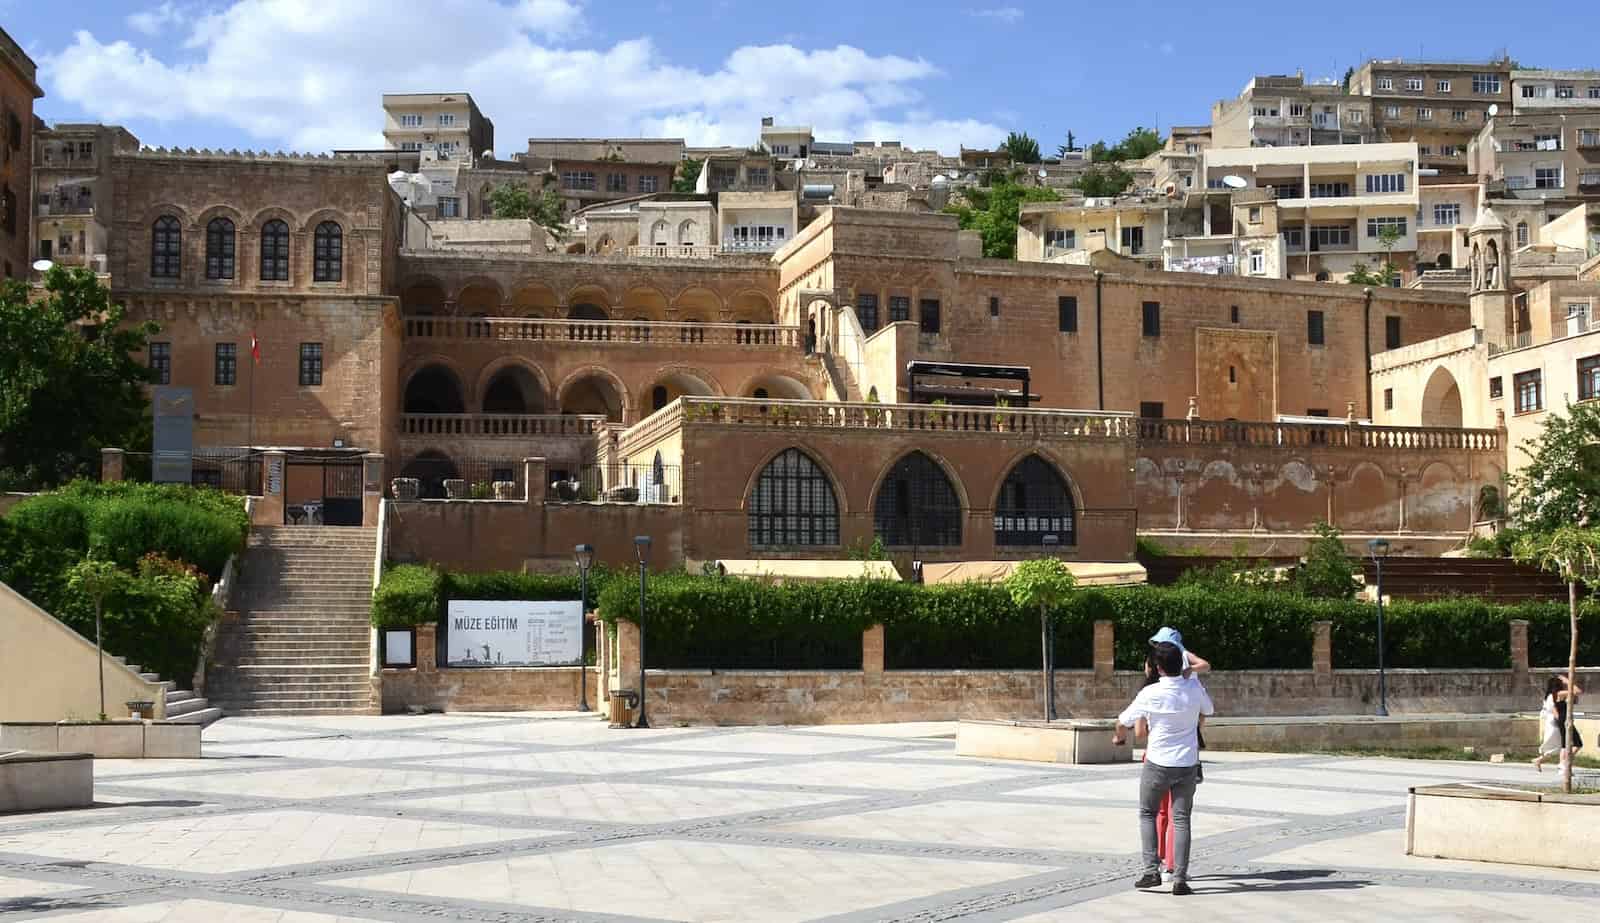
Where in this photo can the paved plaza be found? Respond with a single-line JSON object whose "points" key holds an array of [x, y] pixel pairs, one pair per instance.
{"points": [[556, 817]]}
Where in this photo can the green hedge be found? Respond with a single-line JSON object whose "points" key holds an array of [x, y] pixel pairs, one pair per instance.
{"points": [[729, 623]]}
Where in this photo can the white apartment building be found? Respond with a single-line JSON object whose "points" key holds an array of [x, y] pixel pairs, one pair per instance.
{"points": [[447, 123]]}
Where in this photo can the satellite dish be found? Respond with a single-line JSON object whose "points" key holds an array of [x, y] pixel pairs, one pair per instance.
{"points": [[1494, 110], [1043, 173], [43, 265], [1234, 182]]}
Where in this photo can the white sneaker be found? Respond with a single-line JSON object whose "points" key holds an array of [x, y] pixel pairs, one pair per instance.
{"points": [[1166, 876]]}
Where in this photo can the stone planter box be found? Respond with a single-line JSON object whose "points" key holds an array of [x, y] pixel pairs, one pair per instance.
{"points": [[406, 488], [1070, 741], [105, 739], [455, 489], [45, 781], [1486, 823], [505, 490]]}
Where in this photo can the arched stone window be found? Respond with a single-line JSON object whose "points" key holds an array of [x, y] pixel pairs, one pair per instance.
{"points": [[219, 249], [166, 248], [793, 504], [275, 251], [1034, 502], [658, 471], [328, 264], [917, 506], [658, 398]]}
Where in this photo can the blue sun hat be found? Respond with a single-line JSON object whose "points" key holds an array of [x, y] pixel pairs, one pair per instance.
{"points": [[1168, 635]]}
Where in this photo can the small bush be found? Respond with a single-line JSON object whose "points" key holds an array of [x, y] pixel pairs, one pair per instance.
{"points": [[1328, 572], [155, 620], [406, 596]]}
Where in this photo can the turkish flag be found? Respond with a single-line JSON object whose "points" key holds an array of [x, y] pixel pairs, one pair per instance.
{"points": [[255, 348]]}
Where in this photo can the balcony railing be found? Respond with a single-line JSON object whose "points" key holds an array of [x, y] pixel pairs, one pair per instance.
{"points": [[919, 417], [660, 333], [673, 251], [1339, 435], [499, 425]]}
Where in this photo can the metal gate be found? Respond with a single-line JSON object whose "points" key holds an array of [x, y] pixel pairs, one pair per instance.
{"points": [[340, 503]]}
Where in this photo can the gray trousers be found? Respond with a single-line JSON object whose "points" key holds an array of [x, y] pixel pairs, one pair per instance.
{"points": [[1154, 783]]}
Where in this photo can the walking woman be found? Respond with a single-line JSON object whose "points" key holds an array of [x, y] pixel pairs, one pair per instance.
{"points": [[1553, 722]]}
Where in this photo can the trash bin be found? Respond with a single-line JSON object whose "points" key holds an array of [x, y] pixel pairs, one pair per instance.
{"points": [[623, 702], [145, 710]]}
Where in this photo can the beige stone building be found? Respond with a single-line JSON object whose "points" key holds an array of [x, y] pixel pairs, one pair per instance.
{"points": [[1439, 106], [74, 193], [447, 123], [1286, 111], [18, 90], [590, 170]]}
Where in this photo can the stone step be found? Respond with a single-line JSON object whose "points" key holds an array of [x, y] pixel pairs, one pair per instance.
{"points": [[306, 711], [341, 702], [187, 707], [175, 696], [202, 716], [289, 638], [150, 677], [347, 665]]}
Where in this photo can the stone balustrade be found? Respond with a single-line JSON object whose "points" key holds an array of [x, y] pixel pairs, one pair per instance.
{"points": [[499, 424], [602, 332], [918, 417], [1334, 434]]}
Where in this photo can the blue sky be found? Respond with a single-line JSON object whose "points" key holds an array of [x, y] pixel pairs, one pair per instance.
{"points": [[307, 74]]}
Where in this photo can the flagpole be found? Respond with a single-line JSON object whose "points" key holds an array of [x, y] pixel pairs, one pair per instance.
{"points": [[250, 447]]}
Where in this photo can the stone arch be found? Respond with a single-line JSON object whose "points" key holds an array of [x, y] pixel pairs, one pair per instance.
{"points": [[644, 302], [1050, 458], [347, 226], [434, 388], [674, 382], [698, 303], [1491, 266], [1366, 500], [510, 383], [220, 211], [1440, 500], [778, 386], [423, 295], [924, 505], [590, 293], [1441, 400], [168, 208], [594, 390], [275, 213], [1033, 499], [534, 299], [1294, 497], [479, 296], [1443, 261], [660, 233], [431, 467], [792, 512], [840, 495], [605, 245], [752, 306], [1219, 498], [687, 229]]}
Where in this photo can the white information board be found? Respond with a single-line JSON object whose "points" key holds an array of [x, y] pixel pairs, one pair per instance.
{"points": [[514, 633]]}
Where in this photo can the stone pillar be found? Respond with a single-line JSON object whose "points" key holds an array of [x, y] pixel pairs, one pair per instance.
{"points": [[536, 479], [872, 651], [1105, 659], [627, 666], [1322, 648], [269, 512], [602, 662], [1519, 645], [111, 464], [427, 652], [371, 487]]}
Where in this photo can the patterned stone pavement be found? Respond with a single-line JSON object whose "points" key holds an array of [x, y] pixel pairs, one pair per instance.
{"points": [[556, 817]]}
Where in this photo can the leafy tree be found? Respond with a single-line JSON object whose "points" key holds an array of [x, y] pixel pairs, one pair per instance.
{"points": [[1046, 583], [993, 213], [1387, 271], [1328, 571], [1021, 147], [1140, 143], [514, 200], [1104, 181], [1062, 150], [688, 174], [69, 380], [1349, 72], [1574, 553], [1560, 484]]}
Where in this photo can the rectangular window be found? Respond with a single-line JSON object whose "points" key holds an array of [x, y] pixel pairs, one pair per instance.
{"points": [[1314, 329], [1588, 378], [1496, 389], [647, 183], [446, 118], [1547, 140], [1386, 182], [1594, 91], [994, 306], [1388, 398], [1255, 214], [1330, 190], [1425, 149], [1535, 91], [758, 176], [1152, 318], [1296, 110], [1233, 314], [1458, 115], [449, 206], [1328, 237], [1356, 115], [1376, 226], [1152, 410], [410, 145], [227, 364], [85, 149], [1413, 84], [1258, 262], [1424, 114], [724, 177], [867, 311], [929, 314], [1133, 240], [1391, 332], [1447, 214], [1391, 112], [411, 121], [1385, 83], [310, 365], [1067, 314], [1565, 91], [1529, 391], [1062, 238], [577, 179], [1588, 137], [899, 308], [1294, 238], [161, 362], [1441, 86], [1486, 83], [616, 182], [1547, 178]]}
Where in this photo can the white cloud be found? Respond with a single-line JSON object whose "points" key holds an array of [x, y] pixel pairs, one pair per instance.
{"points": [[1010, 15], [155, 20], [308, 74]]}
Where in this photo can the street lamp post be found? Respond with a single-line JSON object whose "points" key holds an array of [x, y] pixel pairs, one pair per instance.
{"points": [[583, 555], [1379, 549], [641, 548], [1048, 635]]}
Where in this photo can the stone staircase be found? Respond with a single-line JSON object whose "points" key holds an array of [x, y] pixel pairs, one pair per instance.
{"points": [[183, 706], [301, 642]]}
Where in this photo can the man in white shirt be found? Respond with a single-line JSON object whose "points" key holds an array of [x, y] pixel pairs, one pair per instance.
{"points": [[1169, 711]]}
